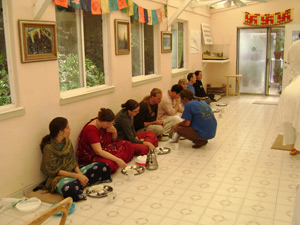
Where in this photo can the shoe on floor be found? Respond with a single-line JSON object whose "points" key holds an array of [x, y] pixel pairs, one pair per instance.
{"points": [[199, 144]]}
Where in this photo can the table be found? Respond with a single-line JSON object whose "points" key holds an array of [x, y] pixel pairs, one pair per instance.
{"points": [[238, 77]]}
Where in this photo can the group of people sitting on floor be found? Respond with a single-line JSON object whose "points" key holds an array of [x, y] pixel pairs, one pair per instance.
{"points": [[110, 141]]}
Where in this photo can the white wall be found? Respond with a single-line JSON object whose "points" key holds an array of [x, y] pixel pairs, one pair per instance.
{"points": [[224, 30], [37, 90]]}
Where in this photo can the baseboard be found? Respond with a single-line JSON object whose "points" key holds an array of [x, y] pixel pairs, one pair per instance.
{"points": [[24, 191]]}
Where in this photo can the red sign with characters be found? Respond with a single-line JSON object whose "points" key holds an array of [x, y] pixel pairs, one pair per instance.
{"points": [[272, 19]]}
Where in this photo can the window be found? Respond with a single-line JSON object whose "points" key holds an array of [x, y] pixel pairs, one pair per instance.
{"points": [[80, 49], [5, 95], [177, 45], [142, 48]]}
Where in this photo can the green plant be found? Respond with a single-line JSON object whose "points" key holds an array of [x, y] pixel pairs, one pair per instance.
{"points": [[4, 82], [279, 44], [278, 70], [69, 73]]}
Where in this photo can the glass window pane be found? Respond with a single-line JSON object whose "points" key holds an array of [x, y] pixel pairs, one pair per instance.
{"points": [[148, 49], [68, 49], [5, 97], [177, 45], [136, 48], [180, 45], [174, 45], [93, 44], [252, 59]]}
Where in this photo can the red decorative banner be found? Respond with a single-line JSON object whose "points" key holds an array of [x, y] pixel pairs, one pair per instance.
{"points": [[272, 19]]}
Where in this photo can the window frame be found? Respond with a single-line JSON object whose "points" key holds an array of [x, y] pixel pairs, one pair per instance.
{"points": [[85, 92], [10, 110]]}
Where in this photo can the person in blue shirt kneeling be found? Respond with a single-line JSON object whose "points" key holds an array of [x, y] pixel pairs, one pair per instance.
{"points": [[199, 122]]}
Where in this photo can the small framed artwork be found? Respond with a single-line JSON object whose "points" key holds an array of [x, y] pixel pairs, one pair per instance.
{"points": [[122, 37], [37, 41], [166, 41]]}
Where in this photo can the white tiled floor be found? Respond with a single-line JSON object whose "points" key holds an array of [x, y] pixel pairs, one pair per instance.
{"points": [[235, 179]]}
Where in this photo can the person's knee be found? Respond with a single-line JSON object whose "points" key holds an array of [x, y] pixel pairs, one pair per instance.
{"points": [[157, 129], [73, 190]]}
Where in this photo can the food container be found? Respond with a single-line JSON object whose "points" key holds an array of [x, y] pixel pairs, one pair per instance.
{"points": [[175, 137], [141, 160]]}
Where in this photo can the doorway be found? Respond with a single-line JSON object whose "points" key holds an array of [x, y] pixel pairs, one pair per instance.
{"points": [[260, 60]]}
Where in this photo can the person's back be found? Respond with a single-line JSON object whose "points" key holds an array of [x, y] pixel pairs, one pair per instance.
{"points": [[201, 117], [293, 60]]}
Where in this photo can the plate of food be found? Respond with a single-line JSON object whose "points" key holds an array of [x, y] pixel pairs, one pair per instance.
{"points": [[98, 191], [136, 170], [162, 150], [221, 104]]}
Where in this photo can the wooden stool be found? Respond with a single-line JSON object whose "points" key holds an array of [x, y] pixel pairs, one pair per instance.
{"points": [[238, 76]]}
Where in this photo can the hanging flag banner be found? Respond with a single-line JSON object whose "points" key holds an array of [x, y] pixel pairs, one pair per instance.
{"points": [[75, 4], [113, 5], [272, 19], [63, 3], [97, 7], [105, 6]]}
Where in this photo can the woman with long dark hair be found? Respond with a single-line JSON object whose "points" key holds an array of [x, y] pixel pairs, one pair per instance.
{"points": [[98, 143], [142, 141], [60, 166]]}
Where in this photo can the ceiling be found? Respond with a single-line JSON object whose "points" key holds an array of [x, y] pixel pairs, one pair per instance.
{"points": [[223, 4]]}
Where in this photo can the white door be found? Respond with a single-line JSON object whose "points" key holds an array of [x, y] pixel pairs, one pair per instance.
{"points": [[292, 33]]}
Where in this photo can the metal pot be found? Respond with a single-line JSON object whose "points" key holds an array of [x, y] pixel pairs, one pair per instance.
{"points": [[151, 162]]}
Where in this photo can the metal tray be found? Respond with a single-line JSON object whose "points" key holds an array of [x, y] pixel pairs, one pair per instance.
{"points": [[216, 110], [136, 169], [221, 104], [98, 191], [162, 150]]}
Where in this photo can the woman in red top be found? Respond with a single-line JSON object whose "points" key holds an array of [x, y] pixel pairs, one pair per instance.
{"points": [[97, 143]]}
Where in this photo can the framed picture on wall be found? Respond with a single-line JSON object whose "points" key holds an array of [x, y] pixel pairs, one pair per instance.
{"points": [[37, 41], [122, 37], [166, 41]]}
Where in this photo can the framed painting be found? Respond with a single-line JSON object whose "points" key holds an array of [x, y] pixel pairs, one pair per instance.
{"points": [[37, 41], [122, 37], [166, 41]]}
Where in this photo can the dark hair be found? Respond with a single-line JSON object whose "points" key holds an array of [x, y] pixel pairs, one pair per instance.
{"points": [[130, 105], [56, 125], [176, 88], [197, 72], [187, 93], [106, 115], [189, 76]]}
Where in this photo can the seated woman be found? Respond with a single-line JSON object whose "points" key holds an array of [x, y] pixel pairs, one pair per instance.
{"points": [[60, 166], [142, 141], [97, 143]]}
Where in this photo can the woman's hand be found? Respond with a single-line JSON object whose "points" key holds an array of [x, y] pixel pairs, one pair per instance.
{"points": [[82, 179], [121, 163], [149, 144]]}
